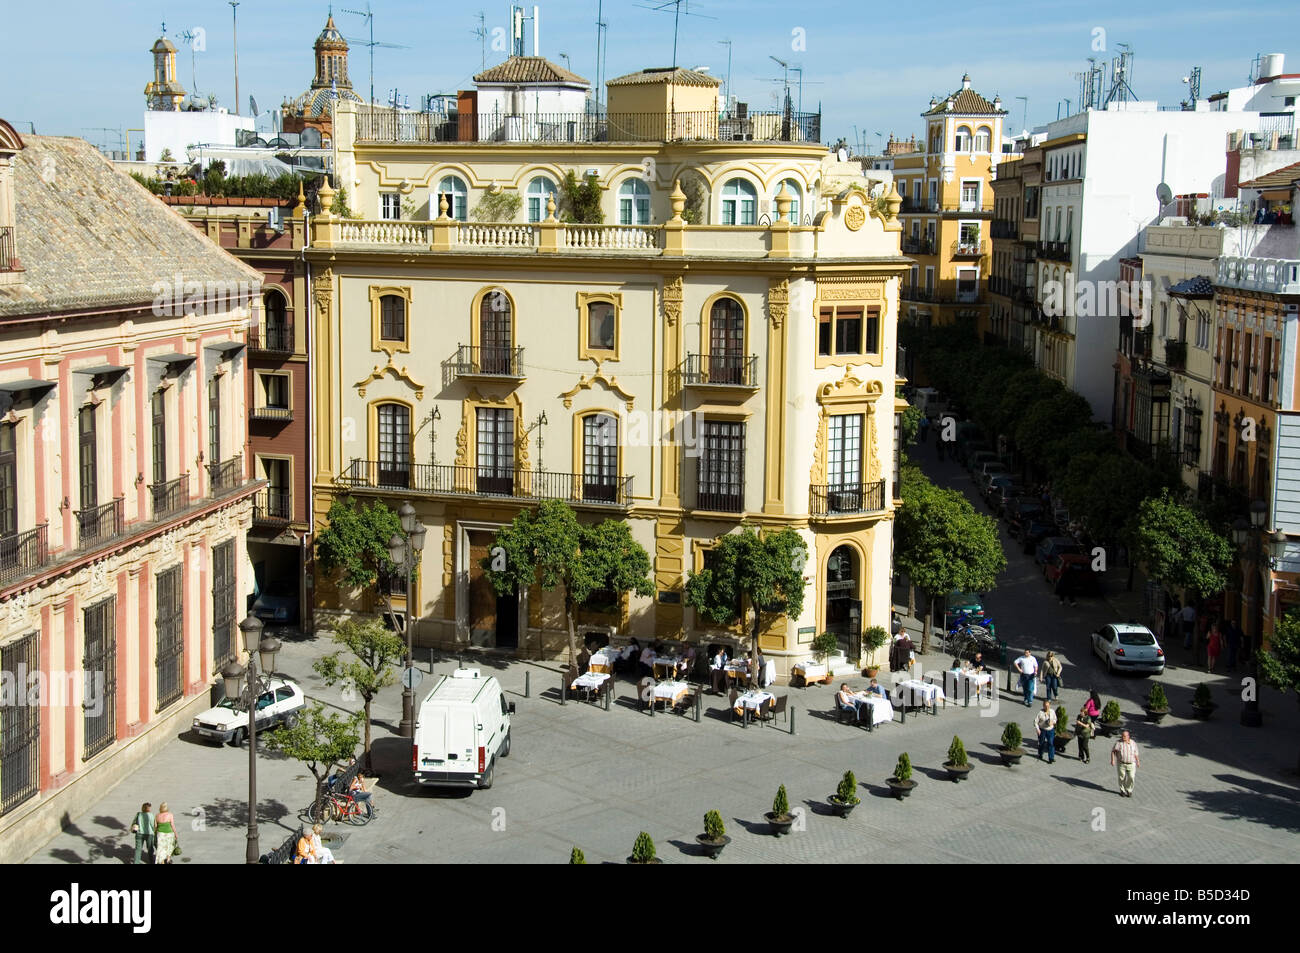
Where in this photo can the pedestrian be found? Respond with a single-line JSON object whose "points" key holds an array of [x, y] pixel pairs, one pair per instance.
{"points": [[1045, 725], [1083, 733], [1052, 676], [1213, 647], [1231, 642], [1027, 666], [168, 843], [1126, 759], [143, 829], [1188, 617], [923, 430]]}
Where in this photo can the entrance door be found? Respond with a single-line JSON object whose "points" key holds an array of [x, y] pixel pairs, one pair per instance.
{"points": [[482, 618], [843, 608]]}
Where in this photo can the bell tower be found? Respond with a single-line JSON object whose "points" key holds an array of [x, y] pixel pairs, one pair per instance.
{"points": [[163, 92], [331, 59]]}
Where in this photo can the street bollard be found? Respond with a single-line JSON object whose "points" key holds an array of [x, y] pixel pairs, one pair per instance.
{"points": [[967, 681], [697, 706], [528, 689], [902, 706], [791, 721], [564, 689], [609, 690]]}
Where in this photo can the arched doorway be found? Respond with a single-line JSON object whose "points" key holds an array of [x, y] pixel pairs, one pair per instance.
{"points": [[843, 609]]}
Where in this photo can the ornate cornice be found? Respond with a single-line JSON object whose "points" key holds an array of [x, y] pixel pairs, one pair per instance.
{"points": [[400, 373], [586, 383]]}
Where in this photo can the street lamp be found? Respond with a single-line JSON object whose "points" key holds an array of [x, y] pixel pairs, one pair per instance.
{"points": [[405, 552], [1262, 551], [242, 683]]}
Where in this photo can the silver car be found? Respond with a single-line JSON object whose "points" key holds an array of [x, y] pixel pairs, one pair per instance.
{"points": [[1126, 647]]}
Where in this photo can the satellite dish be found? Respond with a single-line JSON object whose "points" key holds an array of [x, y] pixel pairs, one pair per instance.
{"points": [[1164, 194], [252, 104]]}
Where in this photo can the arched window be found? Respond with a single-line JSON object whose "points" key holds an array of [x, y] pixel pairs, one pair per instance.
{"points": [[275, 322], [796, 196], [394, 445], [453, 187], [539, 190], [983, 139], [633, 203], [727, 342], [600, 458], [392, 318], [963, 142], [739, 203], [496, 334]]}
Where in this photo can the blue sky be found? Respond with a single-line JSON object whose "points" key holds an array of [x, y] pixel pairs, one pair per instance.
{"points": [[82, 65]]}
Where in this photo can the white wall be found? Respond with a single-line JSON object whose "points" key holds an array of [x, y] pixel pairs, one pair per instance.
{"points": [[178, 131]]}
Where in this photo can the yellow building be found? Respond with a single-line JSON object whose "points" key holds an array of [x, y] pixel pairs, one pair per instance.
{"points": [[947, 208], [697, 360]]}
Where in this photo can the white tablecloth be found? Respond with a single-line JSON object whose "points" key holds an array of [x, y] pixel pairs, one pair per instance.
{"points": [[670, 691], [811, 671], [954, 683], [753, 700], [768, 675], [590, 680], [917, 692], [881, 710], [605, 656]]}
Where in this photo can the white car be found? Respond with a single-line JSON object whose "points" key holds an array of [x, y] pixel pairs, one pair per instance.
{"points": [[1127, 647], [228, 722]]}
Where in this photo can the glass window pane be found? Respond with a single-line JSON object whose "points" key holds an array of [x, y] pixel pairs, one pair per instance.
{"points": [[600, 325]]}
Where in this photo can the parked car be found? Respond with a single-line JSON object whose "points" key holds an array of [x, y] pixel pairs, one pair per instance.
{"points": [[977, 458], [1019, 512], [228, 721], [277, 603], [1034, 532], [463, 726], [987, 473], [999, 487], [1127, 647], [971, 603], [1053, 546], [1077, 569]]}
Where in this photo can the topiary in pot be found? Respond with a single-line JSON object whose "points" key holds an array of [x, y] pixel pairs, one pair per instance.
{"points": [[779, 817], [1063, 733], [901, 782], [1202, 703], [1011, 752], [643, 851], [1157, 705], [845, 797], [715, 836], [873, 639], [958, 763], [826, 645], [1110, 718], [576, 857]]}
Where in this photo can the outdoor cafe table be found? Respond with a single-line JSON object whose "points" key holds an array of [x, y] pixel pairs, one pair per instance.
{"points": [[750, 703], [881, 709], [667, 664], [956, 682], [590, 682], [602, 661], [738, 669], [670, 693], [907, 693], [812, 672]]}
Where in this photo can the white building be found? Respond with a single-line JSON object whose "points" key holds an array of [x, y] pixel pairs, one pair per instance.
{"points": [[182, 132]]}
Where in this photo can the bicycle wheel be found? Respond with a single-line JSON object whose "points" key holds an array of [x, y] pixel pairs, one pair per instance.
{"points": [[337, 811], [319, 811], [357, 816]]}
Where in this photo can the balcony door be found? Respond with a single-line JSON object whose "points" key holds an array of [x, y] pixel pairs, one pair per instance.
{"points": [[495, 336], [495, 455], [8, 481], [726, 342], [88, 457], [844, 463], [394, 446], [600, 458]]}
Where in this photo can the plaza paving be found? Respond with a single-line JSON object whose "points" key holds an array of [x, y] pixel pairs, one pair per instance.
{"points": [[578, 775]]}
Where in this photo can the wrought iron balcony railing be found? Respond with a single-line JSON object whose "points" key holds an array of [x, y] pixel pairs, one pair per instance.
{"points": [[100, 523], [272, 505], [272, 413], [846, 499], [512, 482], [271, 339], [171, 496], [21, 553], [483, 361], [735, 370], [227, 474]]}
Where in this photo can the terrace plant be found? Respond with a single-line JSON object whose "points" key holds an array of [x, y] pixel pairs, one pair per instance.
{"points": [[1156, 698], [903, 770], [714, 829], [576, 856], [957, 756], [1011, 737], [643, 851], [847, 789]]}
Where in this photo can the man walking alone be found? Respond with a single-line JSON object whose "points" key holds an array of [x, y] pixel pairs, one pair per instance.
{"points": [[1125, 757], [1045, 725], [1027, 666]]}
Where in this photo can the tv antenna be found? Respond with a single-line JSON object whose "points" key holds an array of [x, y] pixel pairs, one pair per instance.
{"points": [[1121, 68], [189, 36], [480, 31], [1193, 81], [602, 39], [1024, 115], [678, 13], [372, 43], [727, 44]]}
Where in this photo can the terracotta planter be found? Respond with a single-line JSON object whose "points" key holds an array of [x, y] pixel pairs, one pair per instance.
{"points": [[1203, 713], [1011, 756], [842, 808], [871, 671], [712, 847], [901, 789], [1108, 728], [1156, 715], [957, 773], [780, 825]]}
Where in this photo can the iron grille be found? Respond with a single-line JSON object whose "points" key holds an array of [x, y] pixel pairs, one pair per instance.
{"points": [[170, 662], [20, 728], [223, 601], [99, 671]]}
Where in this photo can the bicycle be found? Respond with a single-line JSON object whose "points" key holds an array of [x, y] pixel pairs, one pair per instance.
{"points": [[333, 806]]}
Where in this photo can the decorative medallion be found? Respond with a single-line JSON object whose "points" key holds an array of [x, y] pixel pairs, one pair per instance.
{"points": [[854, 217]]}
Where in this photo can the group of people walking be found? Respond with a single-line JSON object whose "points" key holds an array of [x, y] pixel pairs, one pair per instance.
{"points": [[1221, 637], [156, 841]]}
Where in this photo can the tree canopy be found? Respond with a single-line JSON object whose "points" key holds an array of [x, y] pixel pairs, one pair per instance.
{"points": [[374, 651], [319, 739], [355, 539], [1180, 549]]}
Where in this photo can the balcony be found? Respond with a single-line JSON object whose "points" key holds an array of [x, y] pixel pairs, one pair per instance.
{"points": [[100, 523], [1005, 228], [705, 126], [968, 249], [170, 497], [711, 501], [271, 339], [490, 363], [20, 553], [272, 505], [848, 499], [1176, 355], [918, 246], [226, 475], [508, 482], [272, 413], [1055, 250], [8, 249], [728, 371], [1269, 275]]}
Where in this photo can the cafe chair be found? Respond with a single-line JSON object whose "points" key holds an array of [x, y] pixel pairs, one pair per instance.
{"points": [[778, 707], [842, 710], [731, 703]]}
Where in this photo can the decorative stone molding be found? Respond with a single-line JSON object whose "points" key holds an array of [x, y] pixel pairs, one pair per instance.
{"points": [[400, 373], [673, 300], [322, 287], [851, 289], [778, 302], [586, 383]]}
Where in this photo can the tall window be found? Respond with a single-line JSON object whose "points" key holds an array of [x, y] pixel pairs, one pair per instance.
{"points": [[1203, 332], [1192, 438], [739, 203], [99, 672], [278, 500], [495, 453], [495, 333], [1266, 372], [722, 467], [394, 445], [275, 333], [970, 194], [984, 139], [963, 139], [392, 318], [169, 624], [89, 458], [158, 407], [20, 730], [848, 330], [390, 206], [275, 391], [452, 187], [844, 451], [223, 602], [539, 190], [1260, 478], [600, 458], [633, 203], [600, 326], [796, 196], [726, 342], [8, 481], [214, 420]]}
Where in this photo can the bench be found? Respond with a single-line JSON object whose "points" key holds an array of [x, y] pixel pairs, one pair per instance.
{"points": [[284, 854]]}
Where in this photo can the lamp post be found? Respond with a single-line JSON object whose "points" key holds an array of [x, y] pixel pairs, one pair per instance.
{"points": [[1249, 536], [242, 683], [405, 552]]}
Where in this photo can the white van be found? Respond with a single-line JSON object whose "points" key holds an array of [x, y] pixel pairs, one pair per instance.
{"points": [[462, 727]]}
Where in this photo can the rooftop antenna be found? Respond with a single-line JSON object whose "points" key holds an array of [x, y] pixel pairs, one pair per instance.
{"points": [[1024, 115], [1193, 81], [481, 32], [1121, 69], [234, 26], [601, 39], [189, 36], [567, 65], [727, 44], [372, 43], [678, 13]]}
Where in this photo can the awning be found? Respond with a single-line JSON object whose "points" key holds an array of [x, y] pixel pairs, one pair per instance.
{"points": [[101, 370], [172, 358], [29, 385], [225, 348]]}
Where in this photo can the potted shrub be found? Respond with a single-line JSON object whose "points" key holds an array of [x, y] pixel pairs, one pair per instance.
{"points": [[873, 639], [1063, 734], [958, 763], [715, 836], [1202, 704], [901, 783], [576, 857], [1157, 705], [1110, 719], [1011, 752], [779, 817], [845, 798], [643, 851]]}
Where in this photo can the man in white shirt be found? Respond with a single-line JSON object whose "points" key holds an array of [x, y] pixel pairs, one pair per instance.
{"points": [[1027, 666], [718, 668], [1187, 615]]}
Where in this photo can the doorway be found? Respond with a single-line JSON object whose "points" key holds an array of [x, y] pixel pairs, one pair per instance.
{"points": [[493, 620], [843, 609]]}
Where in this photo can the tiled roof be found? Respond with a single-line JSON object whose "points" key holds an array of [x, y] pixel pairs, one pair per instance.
{"points": [[1198, 287], [88, 236], [1277, 179], [966, 102], [528, 69], [666, 75]]}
